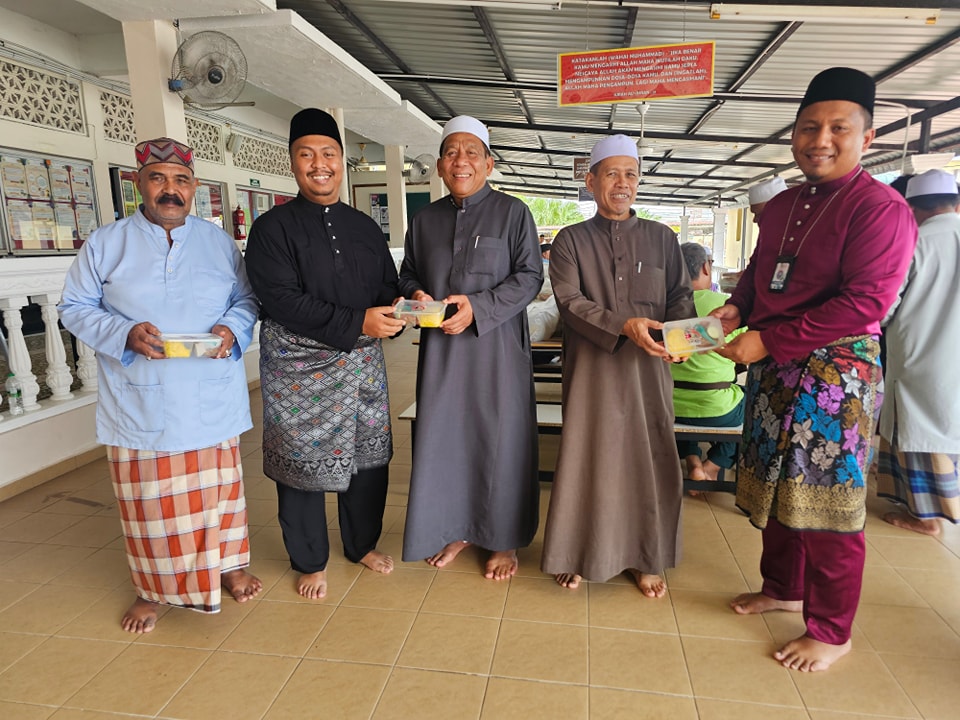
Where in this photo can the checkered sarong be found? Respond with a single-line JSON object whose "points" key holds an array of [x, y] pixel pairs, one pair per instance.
{"points": [[927, 483], [184, 518]]}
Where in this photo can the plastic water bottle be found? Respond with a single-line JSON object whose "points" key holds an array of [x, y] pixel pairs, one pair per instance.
{"points": [[14, 396]]}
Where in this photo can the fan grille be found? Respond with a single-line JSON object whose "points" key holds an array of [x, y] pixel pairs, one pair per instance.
{"points": [[210, 68]]}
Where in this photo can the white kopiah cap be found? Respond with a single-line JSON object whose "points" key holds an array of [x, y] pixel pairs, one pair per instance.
{"points": [[766, 190], [932, 182], [467, 124], [613, 146]]}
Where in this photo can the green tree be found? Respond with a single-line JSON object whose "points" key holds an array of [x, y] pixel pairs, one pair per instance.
{"points": [[551, 212]]}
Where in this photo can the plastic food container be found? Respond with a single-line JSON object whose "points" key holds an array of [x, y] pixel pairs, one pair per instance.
{"points": [[424, 314], [685, 337], [190, 345]]}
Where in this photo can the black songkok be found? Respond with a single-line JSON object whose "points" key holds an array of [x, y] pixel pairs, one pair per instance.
{"points": [[841, 83], [311, 121]]}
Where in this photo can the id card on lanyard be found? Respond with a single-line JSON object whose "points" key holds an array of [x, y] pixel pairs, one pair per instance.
{"points": [[781, 273]]}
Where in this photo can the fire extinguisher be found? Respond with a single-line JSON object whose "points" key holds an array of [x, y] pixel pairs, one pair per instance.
{"points": [[239, 224]]}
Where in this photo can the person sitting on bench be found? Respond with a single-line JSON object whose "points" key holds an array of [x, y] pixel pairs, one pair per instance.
{"points": [[704, 387]]}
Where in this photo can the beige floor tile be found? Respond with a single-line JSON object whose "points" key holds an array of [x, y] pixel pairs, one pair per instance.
{"points": [[874, 557], [638, 661], [403, 589], [31, 500], [785, 626], [428, 695], [279, 628], [541, 651], [363, 635], [542, 600], [509, 699], [141, 680], [91, 532], [340, 578], [14, 646], [12, 592], [74, 505], [8, 515], [261, 512], [36, 527], [203, 631], [740, 671], [607, 704], [450, 642], [48, 609], [914, 551], [42, 563], [391, 543], [908, 631], [725, 710], [101, 621], [709, 615], [857, 683], [938, 589], [10, 550], [620, 605], [345, 691], [55, 670], [22, 711], [234, 685], [75, 714], [104, 568], [466, 594], [886, 586], [267, 543], [931, 683], [718, 573], [528, 558], [471, 560]]}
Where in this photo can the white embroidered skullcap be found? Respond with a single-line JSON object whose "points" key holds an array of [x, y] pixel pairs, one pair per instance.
{"points": [[932, 182], [613, 146], [467, 124], [766, 190]]}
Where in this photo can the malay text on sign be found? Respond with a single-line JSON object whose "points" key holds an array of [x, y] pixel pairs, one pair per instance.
{"points": [[635, 74]]}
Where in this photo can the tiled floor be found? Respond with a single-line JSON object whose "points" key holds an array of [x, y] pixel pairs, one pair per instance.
{"points": [[422, 644]]}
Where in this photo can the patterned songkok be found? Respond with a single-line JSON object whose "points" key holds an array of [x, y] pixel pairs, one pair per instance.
{"points": [[163, 150]]}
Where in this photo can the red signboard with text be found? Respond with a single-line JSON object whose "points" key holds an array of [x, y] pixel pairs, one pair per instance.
{"points": [[635, 74]]}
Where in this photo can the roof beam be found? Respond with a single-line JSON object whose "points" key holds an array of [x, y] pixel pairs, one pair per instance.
{"points": [[630, 22]]}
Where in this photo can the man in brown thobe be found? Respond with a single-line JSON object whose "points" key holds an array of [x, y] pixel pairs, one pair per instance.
{"points": [[615, 504]]}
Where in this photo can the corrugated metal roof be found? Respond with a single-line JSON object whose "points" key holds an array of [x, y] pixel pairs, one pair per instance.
{"points": [[446, 48]]}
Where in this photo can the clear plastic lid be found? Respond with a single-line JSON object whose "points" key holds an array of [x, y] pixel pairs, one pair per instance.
{"points": [[696, 335], [424, 314], [185, 345]]}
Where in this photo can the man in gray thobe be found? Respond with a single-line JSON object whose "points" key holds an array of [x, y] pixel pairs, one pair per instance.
{"points": [[615, 504], [474, 475]]}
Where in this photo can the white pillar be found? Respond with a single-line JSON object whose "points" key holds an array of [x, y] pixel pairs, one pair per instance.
{"points": [[437, 187], [396, 194], [337, 114], [17, 347], [684, 226], [150, 47], [58, 379], [87, 367]]}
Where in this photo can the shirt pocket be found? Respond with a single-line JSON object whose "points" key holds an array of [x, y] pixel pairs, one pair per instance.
{"points": [[141, 407], [648, 288], [487, 256], [212, 289]]}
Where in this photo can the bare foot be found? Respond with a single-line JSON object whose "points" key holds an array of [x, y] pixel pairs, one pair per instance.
{"points": [[313, 585], [755, 603], [448, 554], [502, 565], [909, 522], [695, 468], [652, 586], [378, 562], [141, 617], [808, 655], [568, 580], [711, 470], [241, 584]]}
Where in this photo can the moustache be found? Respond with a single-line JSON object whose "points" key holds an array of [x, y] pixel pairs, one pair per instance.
{"points": [[169, 200]]}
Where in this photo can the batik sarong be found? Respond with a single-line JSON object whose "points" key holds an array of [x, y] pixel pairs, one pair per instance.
{"points": [[326, 413], [807, 437], [184, 519], [927, 483]]}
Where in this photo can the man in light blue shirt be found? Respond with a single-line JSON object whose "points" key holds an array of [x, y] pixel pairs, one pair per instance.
{"points": [[171, 426]]}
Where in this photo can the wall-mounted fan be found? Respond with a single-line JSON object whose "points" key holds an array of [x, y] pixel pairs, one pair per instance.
{"points": [[422, 168], [209, 71]]}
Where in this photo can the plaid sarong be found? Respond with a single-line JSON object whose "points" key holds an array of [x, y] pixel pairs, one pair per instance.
{"points": [[927, 483], [184, 518], [807, 437]]}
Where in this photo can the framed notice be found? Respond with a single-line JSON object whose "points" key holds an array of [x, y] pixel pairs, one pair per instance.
{"points": [[46, 203], [635, 74]]}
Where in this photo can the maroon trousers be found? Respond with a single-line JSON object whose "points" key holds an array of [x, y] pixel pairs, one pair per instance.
{"points": [[823, 569]]}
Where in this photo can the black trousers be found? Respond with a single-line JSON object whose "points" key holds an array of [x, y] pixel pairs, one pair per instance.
{"points": [[303, 520]]}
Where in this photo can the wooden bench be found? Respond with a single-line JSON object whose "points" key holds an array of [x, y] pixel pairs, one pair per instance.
{"points": [[550, 422]]}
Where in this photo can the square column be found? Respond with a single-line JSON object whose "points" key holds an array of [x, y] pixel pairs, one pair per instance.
{"points": [[150, 47]]}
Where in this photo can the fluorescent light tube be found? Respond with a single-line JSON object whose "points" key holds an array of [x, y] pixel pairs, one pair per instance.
{"points": [[823, 13]]}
